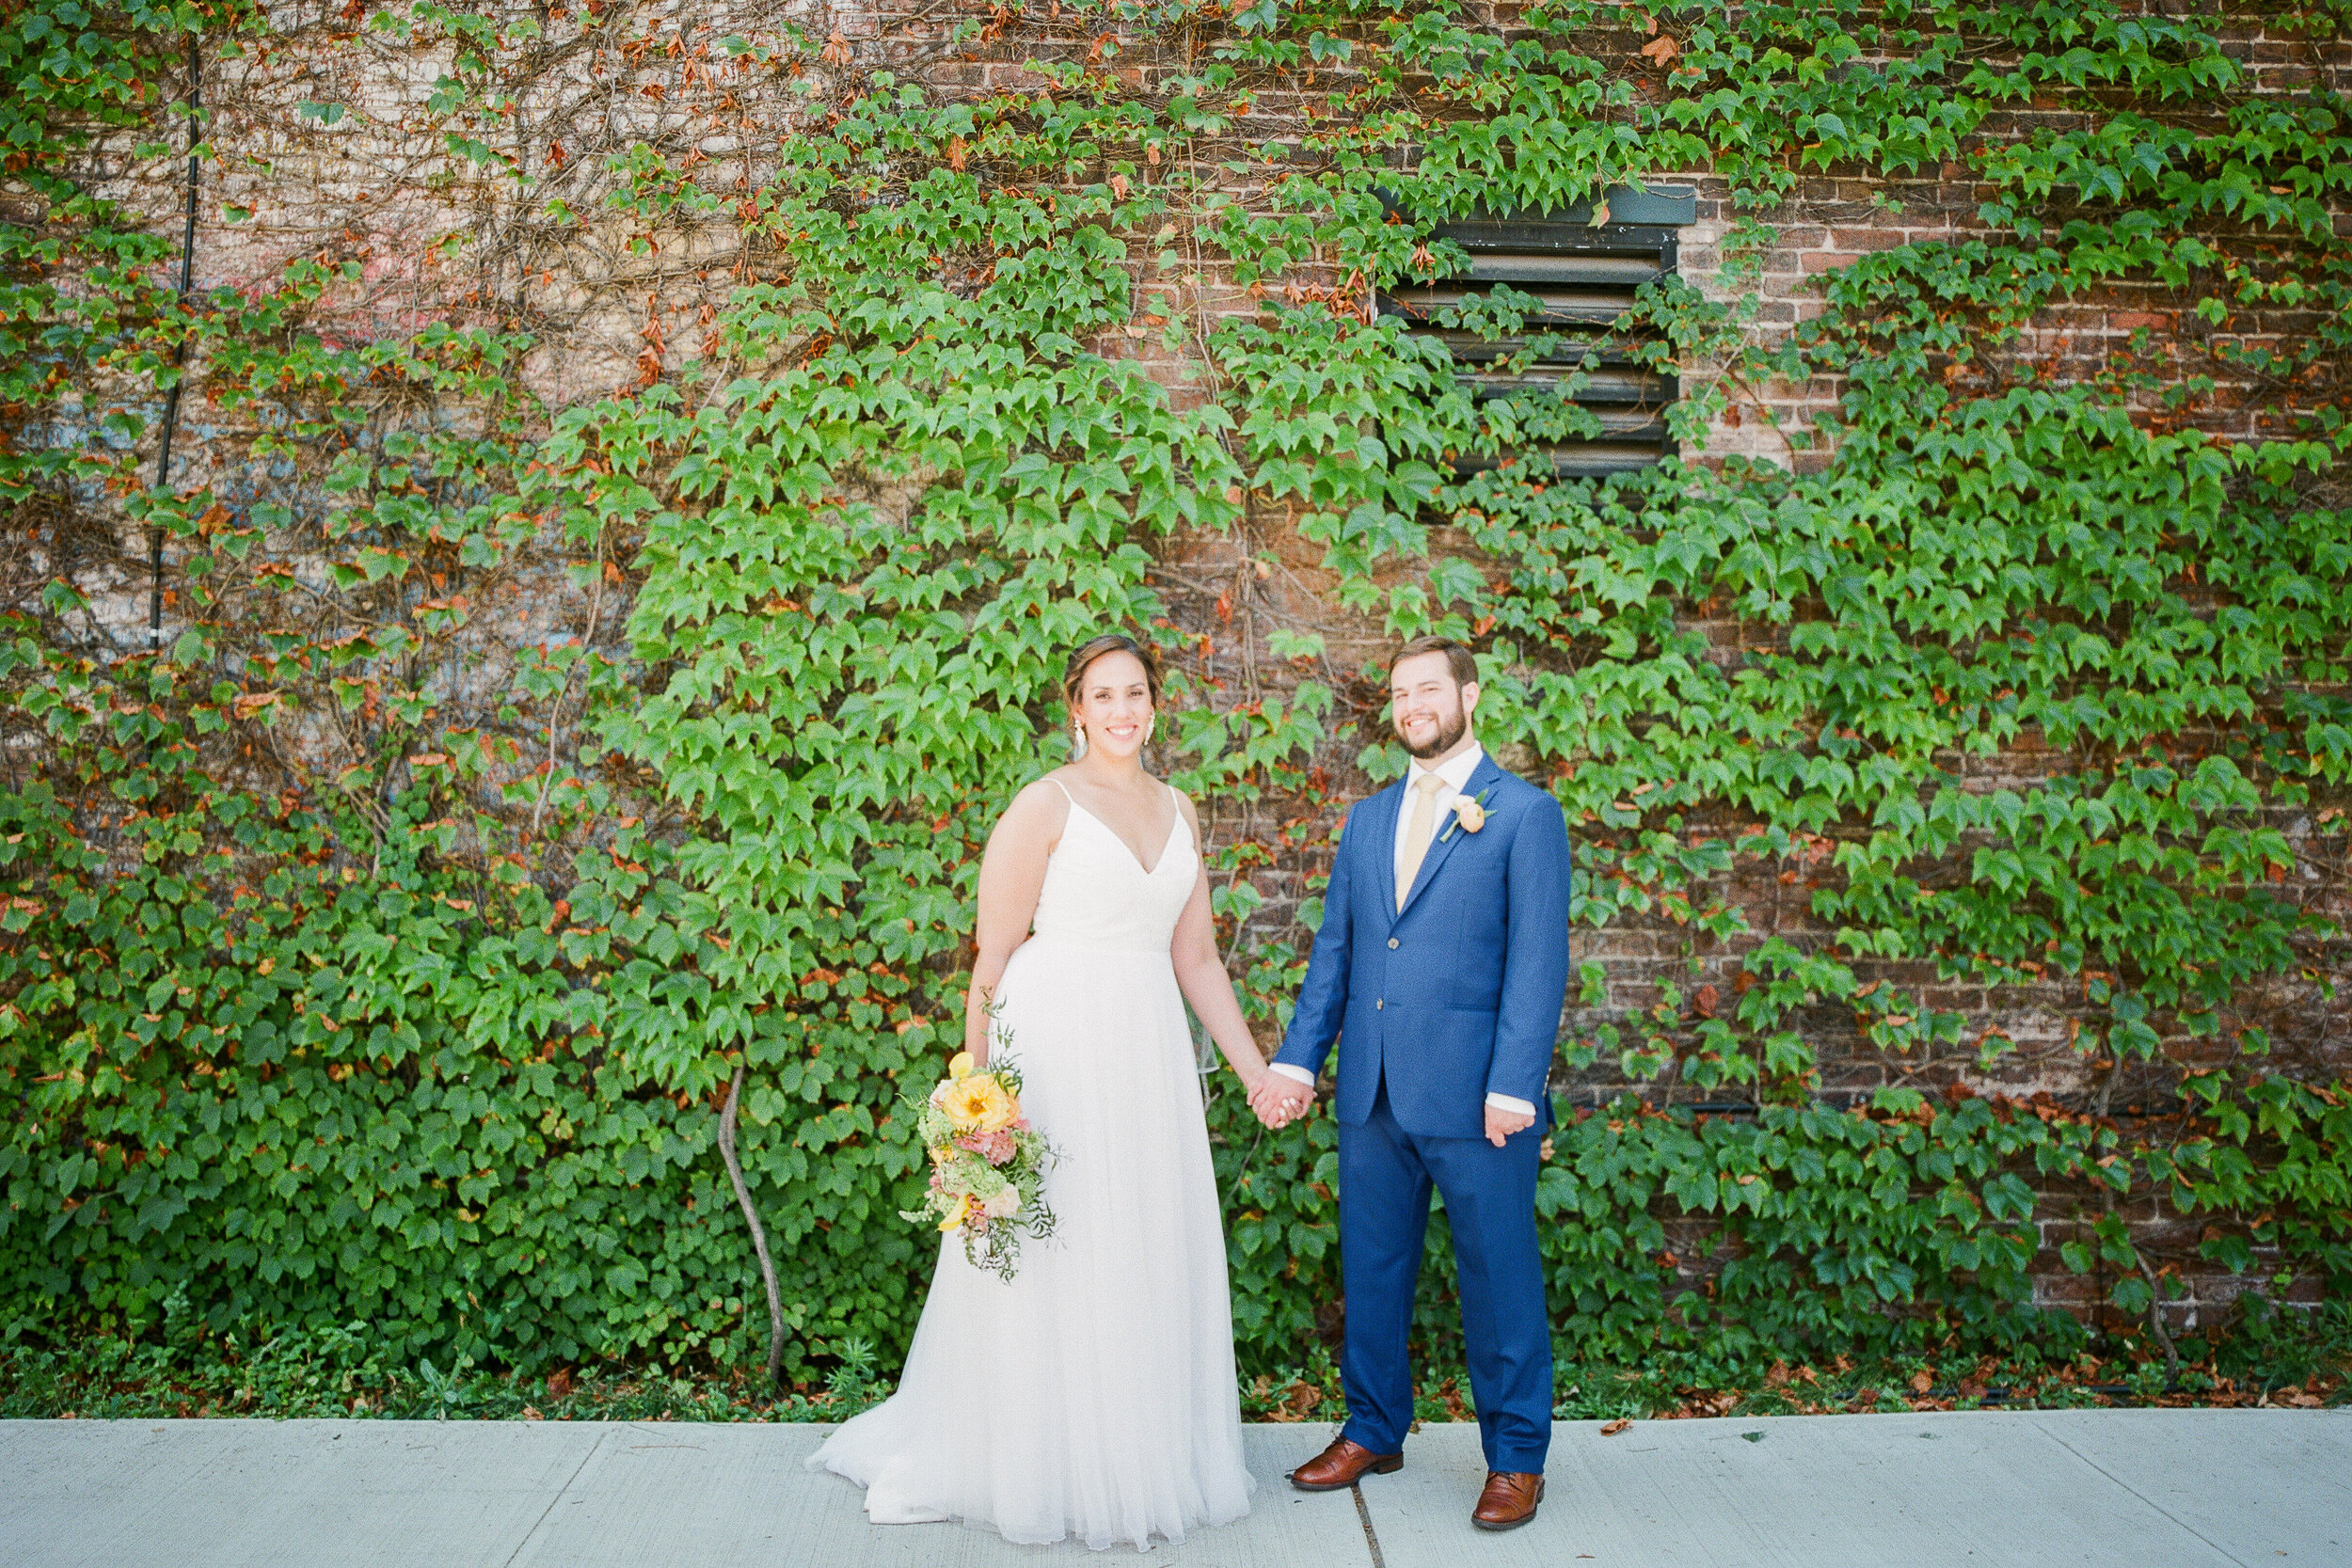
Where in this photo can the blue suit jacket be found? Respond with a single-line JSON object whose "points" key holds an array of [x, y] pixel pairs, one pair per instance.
{"points": [[1459, 994]]}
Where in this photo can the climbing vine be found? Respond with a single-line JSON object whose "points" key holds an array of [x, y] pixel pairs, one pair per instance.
{"points": [[632, 544]]}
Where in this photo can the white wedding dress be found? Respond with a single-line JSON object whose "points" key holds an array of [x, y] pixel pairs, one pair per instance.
{"points": [[1093, 1396]]}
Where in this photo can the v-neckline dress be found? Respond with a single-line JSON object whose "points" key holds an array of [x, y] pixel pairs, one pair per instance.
{"points": [[1092, 1397]]}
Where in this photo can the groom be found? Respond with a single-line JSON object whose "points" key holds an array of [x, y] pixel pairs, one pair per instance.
{"points": [[1441, 966]]}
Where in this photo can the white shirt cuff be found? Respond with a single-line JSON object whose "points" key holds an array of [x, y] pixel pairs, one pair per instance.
{"points": [[1504, 1103], [1288, 1070]]}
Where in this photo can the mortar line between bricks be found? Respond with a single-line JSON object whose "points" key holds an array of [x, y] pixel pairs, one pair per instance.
{"points": [[1371, 1537], [2225, 1555], [540, 1522]]}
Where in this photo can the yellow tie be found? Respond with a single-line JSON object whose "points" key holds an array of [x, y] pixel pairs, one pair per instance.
{"points": [[1417, 834]]}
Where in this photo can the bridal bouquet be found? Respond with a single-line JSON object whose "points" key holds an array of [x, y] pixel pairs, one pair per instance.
{"points": [[988, 1164]]}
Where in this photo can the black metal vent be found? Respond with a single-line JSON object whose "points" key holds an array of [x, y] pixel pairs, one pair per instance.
{"points": [[1584, 276]]}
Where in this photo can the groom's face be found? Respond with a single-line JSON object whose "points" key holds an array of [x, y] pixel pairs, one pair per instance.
{"points": [[1429, 712]]}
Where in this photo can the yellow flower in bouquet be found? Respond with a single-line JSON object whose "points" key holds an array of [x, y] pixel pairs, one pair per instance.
{"points": [[976, 1102]]}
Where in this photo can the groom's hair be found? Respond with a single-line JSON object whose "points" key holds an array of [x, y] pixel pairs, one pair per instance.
{"points": [[1458, 659]]}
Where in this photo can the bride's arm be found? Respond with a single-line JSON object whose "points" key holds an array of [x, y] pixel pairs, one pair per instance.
{"points": [[1012, 870], [1200, 976]]}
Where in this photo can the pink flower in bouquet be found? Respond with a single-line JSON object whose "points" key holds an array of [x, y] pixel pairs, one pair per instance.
{"points": [[996, 1148]]}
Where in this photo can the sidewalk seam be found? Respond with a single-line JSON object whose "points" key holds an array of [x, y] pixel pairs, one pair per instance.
{"points": [[2219, 1550], [536, 1525], [1372, 1538]]}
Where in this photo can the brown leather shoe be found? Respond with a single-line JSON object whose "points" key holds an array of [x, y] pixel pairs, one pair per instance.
{"points": [[1343, 1464], [1508, 1501]]}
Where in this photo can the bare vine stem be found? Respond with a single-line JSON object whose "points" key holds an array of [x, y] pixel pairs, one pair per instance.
{"points": [[759, 1231], [2155, 1322], [555, 714], [179, 355]]}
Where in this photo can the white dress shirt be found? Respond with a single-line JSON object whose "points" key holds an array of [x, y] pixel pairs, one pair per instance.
{"points": [[1454, 777]]}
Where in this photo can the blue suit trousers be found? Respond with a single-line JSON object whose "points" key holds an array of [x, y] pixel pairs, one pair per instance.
{"points": [[1385, 1174]]}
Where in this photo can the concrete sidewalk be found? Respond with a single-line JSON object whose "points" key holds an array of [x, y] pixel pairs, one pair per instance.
{"points": [[2127, 1488]]}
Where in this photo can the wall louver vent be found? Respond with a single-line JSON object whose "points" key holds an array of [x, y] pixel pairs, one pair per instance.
{"points": [[1584, 276]]}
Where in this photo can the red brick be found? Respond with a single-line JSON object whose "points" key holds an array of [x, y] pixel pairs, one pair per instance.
{"points": [[1867, 239]]}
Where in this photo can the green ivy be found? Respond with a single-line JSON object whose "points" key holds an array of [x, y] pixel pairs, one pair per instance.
{"points": [[361, 959]]}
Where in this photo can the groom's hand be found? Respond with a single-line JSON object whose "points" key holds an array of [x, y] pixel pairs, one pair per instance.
{"points": [[1278, 1101], [1501, 1124]]}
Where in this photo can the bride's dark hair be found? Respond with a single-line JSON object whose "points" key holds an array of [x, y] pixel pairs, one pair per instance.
{"points": [[1074, 675]]}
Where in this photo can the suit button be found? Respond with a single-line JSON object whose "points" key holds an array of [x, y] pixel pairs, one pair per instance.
{"points": [[1392, 942], [1379, 1004]]}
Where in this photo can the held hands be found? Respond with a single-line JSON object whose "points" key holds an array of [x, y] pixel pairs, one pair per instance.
{"points": [[1279, 1100], [1501, 1124]]}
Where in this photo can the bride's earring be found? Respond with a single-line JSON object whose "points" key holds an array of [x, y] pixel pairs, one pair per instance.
{"points": [[1077, 739]]}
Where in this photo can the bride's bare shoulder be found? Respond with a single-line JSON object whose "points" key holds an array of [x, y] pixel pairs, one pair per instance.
{"points": [[1041, 805]]}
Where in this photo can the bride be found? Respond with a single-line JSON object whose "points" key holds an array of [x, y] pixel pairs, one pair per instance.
{"points": [[1092, 1396]]}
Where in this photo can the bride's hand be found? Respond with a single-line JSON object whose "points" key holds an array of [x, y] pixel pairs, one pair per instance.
{"points": [[1254, 1087], [1278, 1099]]}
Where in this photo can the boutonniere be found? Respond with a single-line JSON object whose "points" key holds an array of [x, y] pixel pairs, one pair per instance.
{"points": [[1470, 814]]}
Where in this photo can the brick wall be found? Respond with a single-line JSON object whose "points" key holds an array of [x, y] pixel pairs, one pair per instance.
{"points": [[617, 300]]}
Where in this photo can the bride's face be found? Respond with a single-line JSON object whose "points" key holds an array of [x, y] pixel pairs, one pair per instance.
{"points": [[1115, 703]]}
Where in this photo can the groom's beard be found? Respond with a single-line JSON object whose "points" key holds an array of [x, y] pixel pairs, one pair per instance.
{"points": [[1451, 728]]}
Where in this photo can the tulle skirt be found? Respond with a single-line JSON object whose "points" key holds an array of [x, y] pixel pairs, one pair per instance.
{"points": [[1093, 1396]]}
